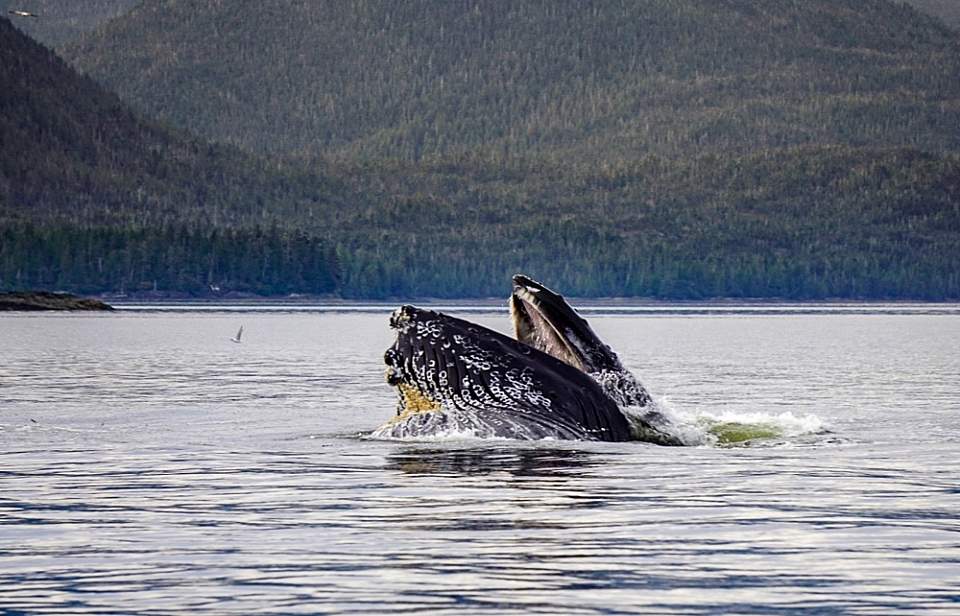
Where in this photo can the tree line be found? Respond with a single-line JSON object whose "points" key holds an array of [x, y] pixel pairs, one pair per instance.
{"points": [[181, 259]]}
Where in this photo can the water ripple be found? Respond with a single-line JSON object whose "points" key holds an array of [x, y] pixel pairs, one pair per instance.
{"points": [[150, 467]]}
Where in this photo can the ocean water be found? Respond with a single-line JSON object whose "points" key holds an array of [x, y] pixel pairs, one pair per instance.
{"points": [[148, 465]]}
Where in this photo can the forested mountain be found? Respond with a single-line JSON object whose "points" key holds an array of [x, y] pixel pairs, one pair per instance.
{"points": [[799, 223], [92, 197], [668, 148], [60, 21], [553, 80], [947, 10]]}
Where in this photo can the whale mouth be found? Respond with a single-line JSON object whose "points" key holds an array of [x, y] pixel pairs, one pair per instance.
{"points": [[450, 374], [543, 323]]}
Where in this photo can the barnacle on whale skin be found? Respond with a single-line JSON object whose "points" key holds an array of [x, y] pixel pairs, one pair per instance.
{"points": [[413, 401]]}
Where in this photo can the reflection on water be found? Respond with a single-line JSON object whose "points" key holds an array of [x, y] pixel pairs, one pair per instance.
{"points": [[515, 528], [150, 466], [486, 460]]}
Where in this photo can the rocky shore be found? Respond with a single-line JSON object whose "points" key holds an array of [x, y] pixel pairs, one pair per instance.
{"points": [[44, 300]]}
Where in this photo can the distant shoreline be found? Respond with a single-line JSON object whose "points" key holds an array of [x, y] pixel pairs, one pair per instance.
{"points": [[587, 307], [501, 302], [37, 301]]}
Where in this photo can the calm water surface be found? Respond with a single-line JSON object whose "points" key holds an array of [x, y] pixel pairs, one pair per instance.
{"points": [[148, 465]]}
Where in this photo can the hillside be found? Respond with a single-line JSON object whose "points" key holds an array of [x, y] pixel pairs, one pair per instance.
{"points": [[61, 21], [801, 223], [93, 196], [548, 80], [683, 153]]}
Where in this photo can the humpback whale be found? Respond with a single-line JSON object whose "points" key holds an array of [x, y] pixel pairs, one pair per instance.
{"points": [[555, 379]]}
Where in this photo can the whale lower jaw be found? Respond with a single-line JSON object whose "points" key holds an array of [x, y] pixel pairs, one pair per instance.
{"points": [[457, 424], [648, 425], [532, 327]]}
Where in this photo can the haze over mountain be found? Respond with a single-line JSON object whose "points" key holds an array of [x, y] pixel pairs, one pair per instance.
{"points": [[671, 148], [60, 21], [64, 20], [557, 80]]}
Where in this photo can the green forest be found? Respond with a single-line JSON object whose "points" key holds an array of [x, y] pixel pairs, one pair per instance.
{"points": [[668, 149], [555, 81]]}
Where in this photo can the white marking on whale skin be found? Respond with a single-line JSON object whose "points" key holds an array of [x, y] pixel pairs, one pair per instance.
{"points": [[486, 391], [432, 329]]}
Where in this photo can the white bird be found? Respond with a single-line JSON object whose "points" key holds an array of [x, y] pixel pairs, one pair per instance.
{"points": [[20, 13], [237, 337]]}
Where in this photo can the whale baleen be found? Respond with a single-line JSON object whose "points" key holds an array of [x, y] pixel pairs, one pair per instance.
{"points": [[544, 320]]}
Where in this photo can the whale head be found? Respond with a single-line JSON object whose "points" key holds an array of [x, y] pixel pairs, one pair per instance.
{"points": [[455, 375]]}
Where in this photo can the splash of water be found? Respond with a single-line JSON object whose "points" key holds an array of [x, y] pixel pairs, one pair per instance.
{"points": [[455, 424], [692, 427], [728, 427]]}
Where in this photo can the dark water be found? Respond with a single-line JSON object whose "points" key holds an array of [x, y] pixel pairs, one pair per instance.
{"points": [[149, 465]]}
